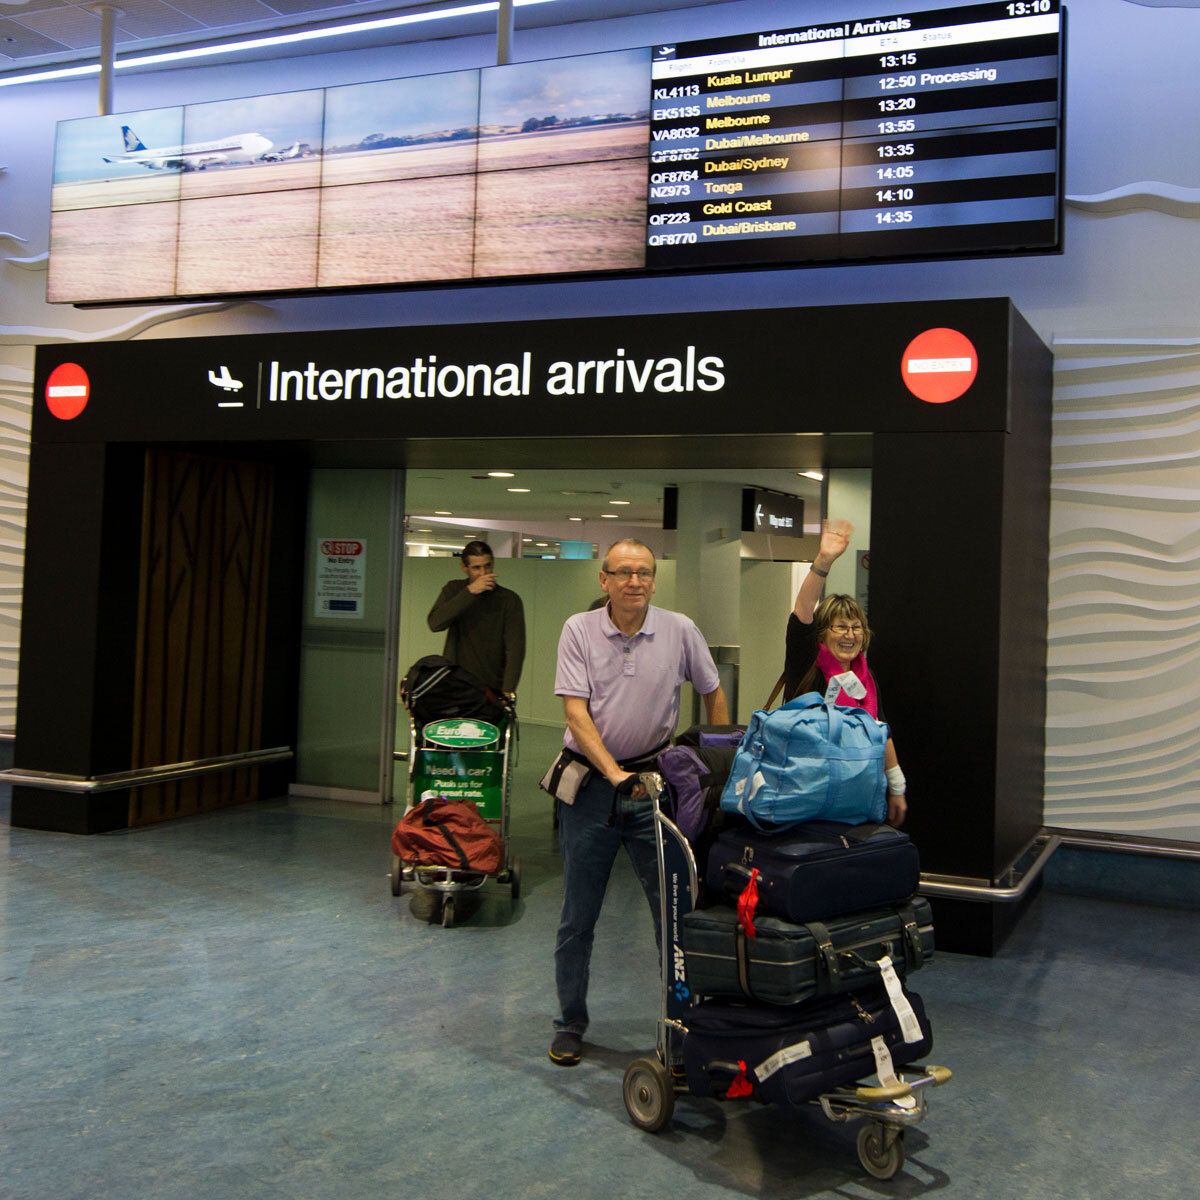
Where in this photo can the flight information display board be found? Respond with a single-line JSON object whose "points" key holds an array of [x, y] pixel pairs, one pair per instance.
{"points": [[920, 134], [925, 133]]}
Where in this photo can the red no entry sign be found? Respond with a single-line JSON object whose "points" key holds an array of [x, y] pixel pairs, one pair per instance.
{"points": [[939, 365], [67, 391]]}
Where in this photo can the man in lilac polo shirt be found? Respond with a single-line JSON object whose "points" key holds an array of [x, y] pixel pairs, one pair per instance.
{"points": [[619, 672]]}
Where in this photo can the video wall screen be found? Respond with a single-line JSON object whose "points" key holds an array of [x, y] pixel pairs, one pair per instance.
{"points": [[921, 134]]}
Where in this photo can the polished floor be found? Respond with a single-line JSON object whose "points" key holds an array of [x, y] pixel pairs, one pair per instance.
{"points": [[235, 1006]]}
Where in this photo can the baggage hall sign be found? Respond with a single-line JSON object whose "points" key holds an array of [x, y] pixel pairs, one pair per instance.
{"points": [[848, 369]]}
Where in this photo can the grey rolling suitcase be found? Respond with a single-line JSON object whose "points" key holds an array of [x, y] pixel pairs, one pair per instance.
{"points": [[787, 964]]}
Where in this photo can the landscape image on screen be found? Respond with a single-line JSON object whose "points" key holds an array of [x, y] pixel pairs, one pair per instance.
{"points": [[398, 186], [562, 165]]}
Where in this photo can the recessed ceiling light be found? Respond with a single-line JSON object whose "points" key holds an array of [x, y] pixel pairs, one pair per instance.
{"points": [[518, 489], [501, 474], [811, 475], [423, 531], [620, 502], [541, 545], [610, 516], [527, 539], [574, 518], [442, 512]]}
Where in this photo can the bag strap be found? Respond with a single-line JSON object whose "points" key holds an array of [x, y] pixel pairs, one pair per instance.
{"points": [[824, 958], [742, 951], [914, 951], [775, 691]]}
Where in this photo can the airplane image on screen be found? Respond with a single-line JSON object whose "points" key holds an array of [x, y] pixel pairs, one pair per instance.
{"points": [[192, 156]]}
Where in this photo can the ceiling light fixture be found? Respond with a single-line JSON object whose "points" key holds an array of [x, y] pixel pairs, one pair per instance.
{"points": [[811, 475], [262, 43], [610, 516], [574, 518], [620, 502], [519, 489], [442, 512], [501, 474]]}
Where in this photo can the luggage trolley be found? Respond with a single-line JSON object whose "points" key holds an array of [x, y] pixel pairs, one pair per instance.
{"points": [[462, 758], [651, 1084]]}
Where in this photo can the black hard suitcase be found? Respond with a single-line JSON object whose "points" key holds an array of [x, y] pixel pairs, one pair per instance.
{"points": [[816, 870], [793, 1055], [788, 964]]}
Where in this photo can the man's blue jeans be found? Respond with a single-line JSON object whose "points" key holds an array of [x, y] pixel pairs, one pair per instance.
{"points": [[589, 848]]}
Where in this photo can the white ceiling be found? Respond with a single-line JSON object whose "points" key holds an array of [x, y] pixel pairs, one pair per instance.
{"points": [[44, 33], [478, 505]]}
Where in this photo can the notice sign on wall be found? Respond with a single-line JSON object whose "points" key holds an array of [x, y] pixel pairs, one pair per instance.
{"points": [[341, 578]]}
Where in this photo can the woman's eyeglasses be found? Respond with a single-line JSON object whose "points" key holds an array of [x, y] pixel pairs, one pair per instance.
{"points": [[843, 630]]}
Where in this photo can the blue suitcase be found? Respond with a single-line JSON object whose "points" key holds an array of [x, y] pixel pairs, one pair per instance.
{"points": [[816, 870], [793, 1055]]}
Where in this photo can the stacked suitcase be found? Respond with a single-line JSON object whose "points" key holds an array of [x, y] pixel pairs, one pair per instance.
{"points": [[799, 960]]}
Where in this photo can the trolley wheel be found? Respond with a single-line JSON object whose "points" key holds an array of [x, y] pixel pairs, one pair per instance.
{"points": [[396, 875], [447, 911], [514, 878], [649, 1094], [880, 1149]]}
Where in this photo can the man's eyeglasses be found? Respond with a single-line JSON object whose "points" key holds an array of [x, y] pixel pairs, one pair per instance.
{"points": [[842, 630], [624, 574]]}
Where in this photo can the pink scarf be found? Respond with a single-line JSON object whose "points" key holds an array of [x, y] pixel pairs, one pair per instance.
{"points": [[829, 666]]}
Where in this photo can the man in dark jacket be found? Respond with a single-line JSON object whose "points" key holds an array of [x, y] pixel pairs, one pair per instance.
{"points": [[484, 622]]}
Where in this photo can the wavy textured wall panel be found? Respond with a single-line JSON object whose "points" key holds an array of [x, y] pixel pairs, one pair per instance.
{"points": [[1122, 738]]}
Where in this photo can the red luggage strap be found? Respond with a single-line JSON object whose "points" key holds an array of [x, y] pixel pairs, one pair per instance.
{"points": [[747, 903], [741, 1085]]}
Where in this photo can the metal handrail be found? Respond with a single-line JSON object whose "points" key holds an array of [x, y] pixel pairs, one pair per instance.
{"points": [[932, 885], [141, 777]]}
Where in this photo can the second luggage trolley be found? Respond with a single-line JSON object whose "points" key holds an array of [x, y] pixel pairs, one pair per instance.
{"points": [[461, 758], [652, 1084]]}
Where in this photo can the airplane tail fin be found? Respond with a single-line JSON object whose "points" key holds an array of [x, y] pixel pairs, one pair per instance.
{"points": [[132, 141]]}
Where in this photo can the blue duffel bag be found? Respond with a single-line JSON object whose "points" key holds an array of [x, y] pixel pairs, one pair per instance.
{"points": [[808, 761]]}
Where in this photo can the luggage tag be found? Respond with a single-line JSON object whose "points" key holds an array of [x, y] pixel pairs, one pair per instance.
{"points": [[846, 682], [783, 1058], [910, 1027], [886, 1071]]}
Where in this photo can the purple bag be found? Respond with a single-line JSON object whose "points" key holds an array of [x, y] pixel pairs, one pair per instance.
{"points": [[695, 777]]}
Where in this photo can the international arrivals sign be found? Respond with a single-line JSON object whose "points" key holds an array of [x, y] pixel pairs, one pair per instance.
{"points": [[924, 366]]}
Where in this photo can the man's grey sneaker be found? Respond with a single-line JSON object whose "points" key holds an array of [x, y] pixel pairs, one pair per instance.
{"points": [[567, 1048]]}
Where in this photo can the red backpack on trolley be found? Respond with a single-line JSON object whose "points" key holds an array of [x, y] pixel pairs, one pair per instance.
{"points": [[448, 833]]}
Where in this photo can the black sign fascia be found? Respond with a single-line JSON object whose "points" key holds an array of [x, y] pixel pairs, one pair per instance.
{"points": [[790, 370], [772, 512]]}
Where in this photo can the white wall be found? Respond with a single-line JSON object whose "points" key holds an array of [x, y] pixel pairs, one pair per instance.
{"points": [[1119, 307]]}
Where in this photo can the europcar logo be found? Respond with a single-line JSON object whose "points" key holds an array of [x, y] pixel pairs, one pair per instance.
{"points": [[67, 391]]}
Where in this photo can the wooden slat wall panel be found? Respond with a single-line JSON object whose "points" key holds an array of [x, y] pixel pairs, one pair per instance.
{"points": [[201, 627]]}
